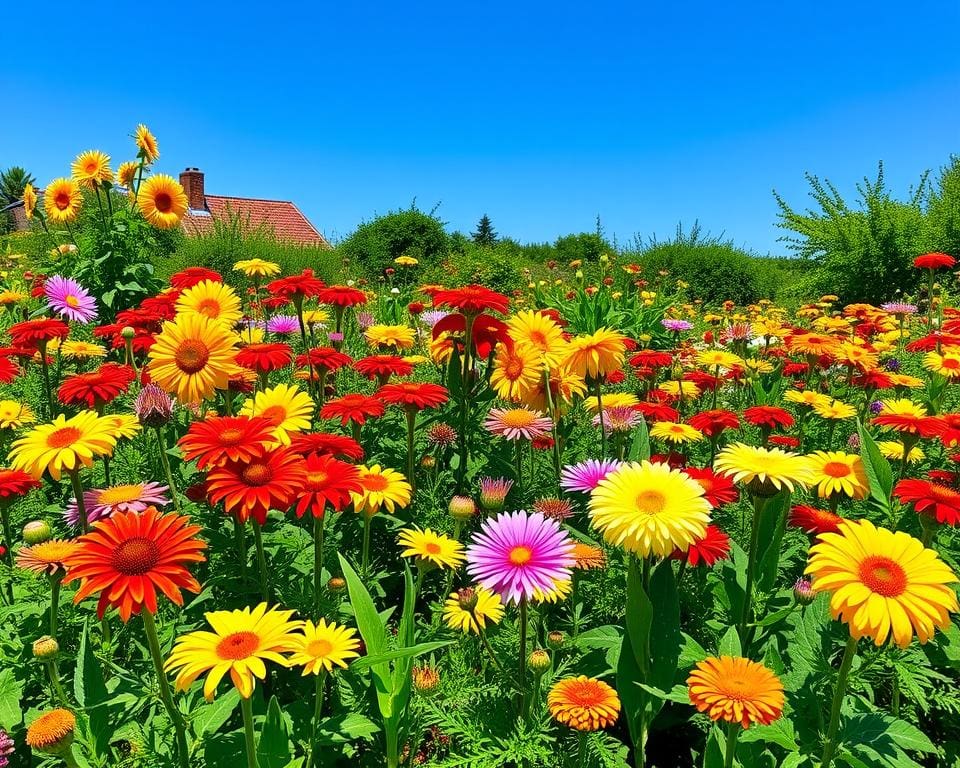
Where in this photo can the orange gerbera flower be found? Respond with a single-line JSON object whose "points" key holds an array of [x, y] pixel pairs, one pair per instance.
{"points": [[267, 479], [736, 690], [330, 483], [583, 703], [46, 557], [130, 555], [354, 407], [219, 439]]}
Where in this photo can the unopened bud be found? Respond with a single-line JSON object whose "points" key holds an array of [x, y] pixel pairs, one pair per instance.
{"points": [[803, 591], [46, 648], [462, 508], [467, 598], [425, 680], [37, 532], [555, 640], [337, 584], [539, 660]]}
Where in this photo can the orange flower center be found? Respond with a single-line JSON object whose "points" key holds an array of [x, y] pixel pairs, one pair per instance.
{"points": [[191, 356], [135, 556], [883, 576], [514, 368], [651, 502], [239, 645], [163, 202], [62, 200], [231, 436], [256, 474], [317, 479], [63, 437], [119, 494], [538, 338], [72, 301], [517, 418], [950, 363], [319, 648], [520, 555], [275, 414], [209, 307], [584, 693], [837, 469], [375, 483], [432, 548]]}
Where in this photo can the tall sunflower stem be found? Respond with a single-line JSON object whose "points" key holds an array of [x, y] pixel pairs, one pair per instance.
{"points": [[830, 745], [261, 560], [317, 710], [165, 461], [249, 739], [179, 727]]}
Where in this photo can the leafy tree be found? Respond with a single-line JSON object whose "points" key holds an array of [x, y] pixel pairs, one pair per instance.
{"points": [[12, 183], [485, 235], [943, 209], [586, 246], [411, 232]]}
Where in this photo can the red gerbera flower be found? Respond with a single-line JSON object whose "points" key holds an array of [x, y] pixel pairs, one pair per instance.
{"points": [[324, 359], [925, 426], [795, 370], [486, 332], [274, 302], [937, 501], [96, 388], [942, 476], [131, 555], [875, 379], [717, 489], [189, 277], [784, 441], [471, 300], [341, 296], [951, 433], [14, 484], [297, 287], [382, 367], [651, 358], [413, 395], [31, 334], [714, 546], [705, 381], [265, 357], [163, 304], [219, 439], [9, 370], [354, 407], [712, 423], [657, 412], [768, 417], [329, 484], [813, 520], [326, 443], [934, 261], [270, 479]]}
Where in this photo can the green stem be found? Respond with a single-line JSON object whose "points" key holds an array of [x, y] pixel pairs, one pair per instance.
{"points": [[746, 614], [261, 561], [47, 388], [365, 558], [54, 672], [603, 432], [489, 649], [411, 468], [523, 655], [241, 536], [246, 706], [8, 545], [317, 564], [54, 602], [582, 749], [317, 709], [830, 745], [165, 461], [150, 629], [78, 494], [733, 733]]}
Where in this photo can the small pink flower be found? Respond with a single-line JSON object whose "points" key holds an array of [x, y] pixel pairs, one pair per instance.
{"points": [[517, 423]]}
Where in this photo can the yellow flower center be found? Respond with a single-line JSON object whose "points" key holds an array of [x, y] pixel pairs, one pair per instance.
{"points": [[72, 301], [319, 648], [520, 555], [119, 494], [651, 502], [517, 418], [239, 645], [209, 307]]}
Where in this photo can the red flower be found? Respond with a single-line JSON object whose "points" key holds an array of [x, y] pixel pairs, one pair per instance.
{"points": [[937, 501], [325, 443], [717, 489], [324, 359], [297, 287], [341, 296], [712, 423], [651, 358], [875, 379], [616, 377], [657, 412], [706, 381], [265, 357], [813, 520], [329, 483], [768, 417], [714, 546], [382, 367], [271, 478], [951, 435], [415, 307], [163, 305], [942, 476], [14, 484], [353, 407], [795, 369], [96, 388], [784, 441], [413, 395], [219, 439], [486, 331], [32, 333], [9, 370], [471, 300], [542, 443], [189, 277], [934, 261], [925, 426]]}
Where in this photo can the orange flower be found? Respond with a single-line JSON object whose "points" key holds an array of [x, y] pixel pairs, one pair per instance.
{"points": [[46, 557], [584, 703], [268, 479], [736, 690]]}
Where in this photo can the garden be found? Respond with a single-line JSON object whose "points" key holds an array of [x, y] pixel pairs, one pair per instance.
{"points": [[403, 503]]}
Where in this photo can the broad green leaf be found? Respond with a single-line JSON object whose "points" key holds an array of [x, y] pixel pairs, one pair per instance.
{"points": [[11, 692], [88, 686], [665, 637], [346, 727], [399, 654], [879, 473], [639, 613], [273, 748], [209, 718], [730, 643], [632, 696], [716, 746], [773, 523], [885, 734], [640, 446], [369, 623]]}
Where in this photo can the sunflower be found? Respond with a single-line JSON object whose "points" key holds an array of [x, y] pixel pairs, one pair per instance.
{"points": [[212, 299], [322, 646], [382, 488], [883, 584], [595, 355], [240, 643], [516, 371], [271, 478], [29, 201], [257, 268], [92, 168], [946, 364], [583, 703], [64, 444], [126, 173], [834, 410], [162, 201], [674, 432], [736, 690], [538, 333], [14, 414], [192, 357], [47, 557], [130, 555], [62, 200], [649, 509], [469, 609], [766, 471], [431, 549], [389, 337], [285, 407], [838, 474], [718, 358]]}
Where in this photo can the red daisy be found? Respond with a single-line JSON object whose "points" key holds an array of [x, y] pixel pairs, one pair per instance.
{"points": [[97, 388], [657, 412], [713, 423], [933, 341], [934, 261], [354, 407], [219, 439], [189, 277], [705, 381], [297, 287], [768, 417], [471, 300], [325, 443], [717, 489], [382, 367], [163, 304], [784, 441], [795, 370], [872, 380], [813, 520], [323, 359], [951, 434], [271, 478], [942, 476], [341, 296], [14, 484], [486, 332], [925, 426], [651, 358], [937, 501], [329, 484], [714, 546], [413, 395], [265, 357], [31, 334], [9, 370]]}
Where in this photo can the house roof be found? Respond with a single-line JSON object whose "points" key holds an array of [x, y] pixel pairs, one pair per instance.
{"points": [[286, 220]]}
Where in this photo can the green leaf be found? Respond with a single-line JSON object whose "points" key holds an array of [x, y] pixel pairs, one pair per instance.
{"points": [[632, 697], [640, 446], [879, 473], [273, 749], [88, 686], [730, 643], [369, 623], [346, 727], [400, 653], [11, 692], [885, 734], [665, 637], [639, 612], [773, 523], [714, 751], [209, 718]]}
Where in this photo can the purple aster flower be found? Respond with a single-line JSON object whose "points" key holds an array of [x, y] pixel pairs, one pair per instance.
{"points": [[101, 503], [892, 365], [586, 475], [432, 317], [853, 442], [6, 748], [520, 554], [676, 325], [283, 325], [875, 407], [334, 337], [899, 308], [68, 298]]}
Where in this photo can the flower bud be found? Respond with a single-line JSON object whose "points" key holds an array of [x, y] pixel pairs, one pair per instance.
{"points": [[337, 584], [428, 462], [128, 332], [37, 532], [46, 648], [426, 680], [467, 598], [539, 661], [153, 406], [462, 508], [803, 591], [52, 732], [555, 640]]}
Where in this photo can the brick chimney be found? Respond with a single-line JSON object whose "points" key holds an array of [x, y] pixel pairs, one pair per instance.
{"points": [[191, 179]]}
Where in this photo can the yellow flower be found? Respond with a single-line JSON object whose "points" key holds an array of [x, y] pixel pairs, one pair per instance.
{"points": [[538, 332], [162, 201], [389, 336], [62, 200], [14, 297], [14, 414], [561, 591], [946, 363], [211, 299], [883, 584], [127, 173], [854, 355], [564, 387], [29, 200], [674, 432], [240, 643], [611, 400], [315, 316], [595, 355], [146, 144], [322, 646], [469, 610], [835, 472], [382, 488], [834, 409], [257, 268], [192, 357], [649, 509], [905, 380], [63, 444], [406, 261], [81, 350], [806, 398], [515, 372], [684, 390], [893, 450], [718, 358], [124, 425], [736, 690], [765, 471], [286, 408], [431, 548], [92, 168]]}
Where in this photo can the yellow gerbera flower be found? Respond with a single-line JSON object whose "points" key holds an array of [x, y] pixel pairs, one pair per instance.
{"points": [[561, 591], [683, 390], [564, 387], [405, 261], [146, 144], [718, 358], [192, 357], [854, 355], [469, 610], [14, 414], [286, 407], [883, 584], [806, 398], [515, 372], [382, 488], [315, 316], [595, 355], [539, 332], [63, 444], [430, 548], [62, 200], [81, 350], [212, 299], [674, 432], [29, 200], [124, 425], [386, 337], [945, 363], [835, 410], [905, 380], [127, 173], [893, 450], [838, 473], [765, 471], [320, 647], [14, 297], [92, 168], [611, 400], [240, 643], [257, 268], [162, 201], [649, 509]]}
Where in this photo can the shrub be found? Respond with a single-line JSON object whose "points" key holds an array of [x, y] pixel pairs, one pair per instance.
{"points": [[375, 244]]}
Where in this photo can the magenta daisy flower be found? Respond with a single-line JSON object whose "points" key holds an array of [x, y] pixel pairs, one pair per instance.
{"points": [[517, 423], [623, 418], [68, 298], [518, 554], [676, 325], [283, 325], [101, 503], [586, 475]]}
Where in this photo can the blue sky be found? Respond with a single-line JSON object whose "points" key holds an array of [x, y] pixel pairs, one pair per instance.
{"points": [[542, 115]]}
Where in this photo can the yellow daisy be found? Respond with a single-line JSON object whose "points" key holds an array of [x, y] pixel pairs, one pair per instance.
{"points": [[838, 473], [162, 201], [63, 444], [468, 610], [431, 549], [285, 406], [193, 357], [320, 647], [211, 299], [765, 471], [92, 168], [14, 414], [388, 337]]}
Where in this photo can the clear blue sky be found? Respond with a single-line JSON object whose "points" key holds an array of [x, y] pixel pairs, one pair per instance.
{"points": [[541, 114]]}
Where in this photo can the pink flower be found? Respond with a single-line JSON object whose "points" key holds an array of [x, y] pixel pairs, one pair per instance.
{"points": [[101, 503], [517, 423], [586, 475], [516, 555], [283, 325], [68, 298]]}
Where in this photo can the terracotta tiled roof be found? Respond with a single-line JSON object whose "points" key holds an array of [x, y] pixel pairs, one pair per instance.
{"points": [[282, 216]]}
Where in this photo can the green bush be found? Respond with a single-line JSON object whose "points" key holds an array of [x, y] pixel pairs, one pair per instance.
{"points": [[376, 243]]}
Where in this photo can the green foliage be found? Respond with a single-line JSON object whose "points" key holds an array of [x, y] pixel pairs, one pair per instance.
{"points": [[585, 246], [13, 181], [411, 232], [485, 234]]}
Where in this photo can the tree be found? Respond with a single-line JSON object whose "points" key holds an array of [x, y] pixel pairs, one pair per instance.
{"points": [[586, 246], [485, 235], [12, 183], [411, 232]]}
